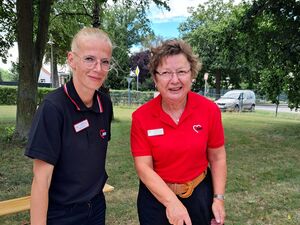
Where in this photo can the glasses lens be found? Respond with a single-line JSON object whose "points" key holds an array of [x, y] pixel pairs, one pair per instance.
{"points": [[89, 61], [105, 64]]}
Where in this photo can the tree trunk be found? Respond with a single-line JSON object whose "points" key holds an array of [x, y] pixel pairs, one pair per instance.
{"points": [[218, 84], [96, 14], [27, 88], [42, 35], [55, 72], [30, 61]]}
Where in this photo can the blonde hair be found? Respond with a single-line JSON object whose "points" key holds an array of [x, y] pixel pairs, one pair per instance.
{"points": [[89, 32]]}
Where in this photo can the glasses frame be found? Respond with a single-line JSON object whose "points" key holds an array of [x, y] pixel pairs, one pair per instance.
{"points": [[168, 75], [91, 65]]}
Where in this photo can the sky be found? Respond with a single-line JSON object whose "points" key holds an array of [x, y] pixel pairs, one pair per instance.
{"points": [[165, 23]]}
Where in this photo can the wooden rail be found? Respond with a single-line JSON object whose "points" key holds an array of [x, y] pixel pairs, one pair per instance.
{"points": [[22, 204]]}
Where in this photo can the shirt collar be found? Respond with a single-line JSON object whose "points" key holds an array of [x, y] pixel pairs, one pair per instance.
{"points": [[191, 104], [73, 96]]}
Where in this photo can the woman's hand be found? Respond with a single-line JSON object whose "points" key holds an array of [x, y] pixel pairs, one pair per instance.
{"points": [[177, 214], [218, 211], [175, 210], [217, 161]]}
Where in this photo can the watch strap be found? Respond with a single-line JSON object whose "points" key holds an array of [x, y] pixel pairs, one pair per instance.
{"points": [[219, 196]]}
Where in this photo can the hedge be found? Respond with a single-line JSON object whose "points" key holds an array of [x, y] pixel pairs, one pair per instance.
{"points": [[8, 96]]}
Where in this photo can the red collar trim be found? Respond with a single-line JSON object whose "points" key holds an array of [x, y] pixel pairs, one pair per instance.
{"points": [[99, 104], [72, 100]]}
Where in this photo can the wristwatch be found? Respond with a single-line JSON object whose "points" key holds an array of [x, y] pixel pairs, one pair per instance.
{"points": [[220, 197]]}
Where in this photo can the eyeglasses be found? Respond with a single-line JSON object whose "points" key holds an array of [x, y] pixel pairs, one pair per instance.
{"points": [[167, 75], [91, 61]]}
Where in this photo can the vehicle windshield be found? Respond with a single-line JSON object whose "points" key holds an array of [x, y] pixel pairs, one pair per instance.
{"points": [[231, 95]]}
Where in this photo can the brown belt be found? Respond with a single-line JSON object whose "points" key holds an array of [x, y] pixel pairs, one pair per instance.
{"points": [[186, 189]]}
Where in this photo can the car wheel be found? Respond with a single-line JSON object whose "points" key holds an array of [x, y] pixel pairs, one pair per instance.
{"points": [[252, 108], [236, 108]]}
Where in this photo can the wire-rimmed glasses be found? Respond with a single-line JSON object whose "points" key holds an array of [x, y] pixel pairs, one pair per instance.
{"points": [[167, 75], [91, 61]]}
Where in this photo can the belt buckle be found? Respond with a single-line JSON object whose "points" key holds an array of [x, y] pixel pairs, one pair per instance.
{"points": [[190, 189]]}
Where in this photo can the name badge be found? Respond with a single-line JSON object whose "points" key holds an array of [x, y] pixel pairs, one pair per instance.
{"points": [[81, 125], [155, 132]]}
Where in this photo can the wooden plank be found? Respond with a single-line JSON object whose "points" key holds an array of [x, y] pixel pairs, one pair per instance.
{"points": [[14, 205], [108, 188], [22, 204]]}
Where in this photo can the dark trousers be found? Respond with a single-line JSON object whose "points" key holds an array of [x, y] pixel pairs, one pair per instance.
{"points": [[152, 212], [89, 213]]}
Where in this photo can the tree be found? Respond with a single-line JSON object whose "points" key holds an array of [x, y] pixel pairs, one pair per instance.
{"points": [[275, 25], [272, 84], [30, 28], [124, 21], [142, 59], [32, 40], [127, 27], [207, 32], [31, 47]]}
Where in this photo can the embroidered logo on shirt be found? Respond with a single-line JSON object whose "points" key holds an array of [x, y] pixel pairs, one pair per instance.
{"points": [[102, 133], [155, 132], [81, 125], [197, 128]]}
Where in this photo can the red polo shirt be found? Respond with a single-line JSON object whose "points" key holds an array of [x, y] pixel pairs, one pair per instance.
{"points": [[178, 151]]}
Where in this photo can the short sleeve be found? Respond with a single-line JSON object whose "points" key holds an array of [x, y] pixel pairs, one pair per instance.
{"points": [[138, 139], [44, 142], [216, 131]]}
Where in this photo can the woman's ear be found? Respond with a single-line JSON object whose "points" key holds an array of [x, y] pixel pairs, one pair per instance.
{"points": [[71, 60], [154, 80]]}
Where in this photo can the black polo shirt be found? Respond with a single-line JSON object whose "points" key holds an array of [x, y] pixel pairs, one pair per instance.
{"points": [[73, 138]]}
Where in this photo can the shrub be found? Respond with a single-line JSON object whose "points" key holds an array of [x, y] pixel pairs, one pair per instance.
{"points": [[8, 96]]}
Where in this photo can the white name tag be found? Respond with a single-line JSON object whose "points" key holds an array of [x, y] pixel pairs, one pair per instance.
{"points": [[81, 125], [155, 132]]}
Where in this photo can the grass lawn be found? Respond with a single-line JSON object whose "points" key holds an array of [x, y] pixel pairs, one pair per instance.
{"points": [[263, 169]]}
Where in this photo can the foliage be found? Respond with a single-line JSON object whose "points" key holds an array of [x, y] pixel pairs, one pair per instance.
{"points": [[141, 59], [124, 21], [8, 95], [274, 25], [7, 134], [127, 27], [208, 31], [7, 27], [5, 75], [14, 71], [254, 45], [271, 84], [120, 97], [147, 85]]}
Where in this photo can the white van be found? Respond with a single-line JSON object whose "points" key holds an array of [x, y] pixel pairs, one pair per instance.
{"points": [[237, 100]]}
